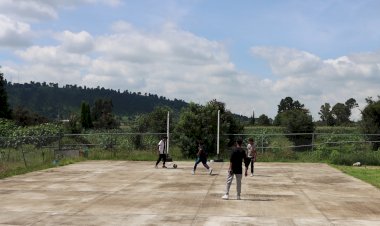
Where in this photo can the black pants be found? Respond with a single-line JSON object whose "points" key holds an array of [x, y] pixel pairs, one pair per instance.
{"points": [[252, 163], [163, 157]]}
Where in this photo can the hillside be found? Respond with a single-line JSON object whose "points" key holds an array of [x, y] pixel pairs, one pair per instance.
{"points": [[54, 102]]}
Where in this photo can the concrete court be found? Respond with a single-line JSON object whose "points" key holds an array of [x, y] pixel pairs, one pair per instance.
{"points": [[135, 193]]}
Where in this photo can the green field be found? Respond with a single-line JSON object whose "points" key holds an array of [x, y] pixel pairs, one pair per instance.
{"points": [[370, 175]]}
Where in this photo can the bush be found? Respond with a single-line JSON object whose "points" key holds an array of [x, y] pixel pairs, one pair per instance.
{"points": [[298, 121], [371, 122], [198, 122]]}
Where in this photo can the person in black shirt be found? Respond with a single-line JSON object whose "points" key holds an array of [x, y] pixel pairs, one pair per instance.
{"points": [[238, 156]]}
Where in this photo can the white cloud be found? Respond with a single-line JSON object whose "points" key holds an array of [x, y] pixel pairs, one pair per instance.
{"points": [[81, 42], [13, 33], [122, 26], [16, 17], [314, 81], [286, 61], [42, 10], [53, 56], [171, 63], [28, 11], [178, 64]]}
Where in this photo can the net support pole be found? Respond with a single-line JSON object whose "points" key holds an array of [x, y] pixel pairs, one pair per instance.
{"points": [[167, 132], [217, 135]]}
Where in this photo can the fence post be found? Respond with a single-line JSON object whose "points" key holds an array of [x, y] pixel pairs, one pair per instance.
{"points": [[262, 143], [23, 156], [60, 140], [312, 142]]}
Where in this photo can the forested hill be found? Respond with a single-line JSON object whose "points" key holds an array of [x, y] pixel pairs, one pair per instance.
{"points": [[52, 101]]}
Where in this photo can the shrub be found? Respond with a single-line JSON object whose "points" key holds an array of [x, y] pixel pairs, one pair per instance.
{"points": [[371, 122]]}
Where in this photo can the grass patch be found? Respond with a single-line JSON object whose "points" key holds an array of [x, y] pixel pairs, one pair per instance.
{"points": [[370, 175], [13, 170]]}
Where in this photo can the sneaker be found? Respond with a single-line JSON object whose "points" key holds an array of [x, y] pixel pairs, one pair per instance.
{"points": [[164, 167], [210, 171], [225, 197], [193, 172], [251, 174], [238, 197]]}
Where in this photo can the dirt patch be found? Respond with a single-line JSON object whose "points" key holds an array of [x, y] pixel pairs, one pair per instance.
{"points": [[330, 180]]}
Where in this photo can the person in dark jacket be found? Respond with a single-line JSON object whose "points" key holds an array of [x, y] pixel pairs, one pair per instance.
{"points": [[201, 157], [238, 156]]}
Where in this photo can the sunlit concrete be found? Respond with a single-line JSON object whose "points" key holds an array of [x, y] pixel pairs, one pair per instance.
{"points": [[135, 193]]}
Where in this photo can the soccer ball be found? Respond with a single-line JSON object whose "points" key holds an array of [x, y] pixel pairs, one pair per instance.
{"points": [[175, 166]]}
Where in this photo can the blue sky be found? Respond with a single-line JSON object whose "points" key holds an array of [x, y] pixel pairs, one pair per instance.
{"points": [[249, 54]]}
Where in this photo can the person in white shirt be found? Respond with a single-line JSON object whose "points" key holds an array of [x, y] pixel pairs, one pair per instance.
{"points": [[251, 154], [162, 152]]}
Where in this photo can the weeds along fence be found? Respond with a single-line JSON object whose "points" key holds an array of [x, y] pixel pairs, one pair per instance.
{"points": [[34, 151], [305, 142]]}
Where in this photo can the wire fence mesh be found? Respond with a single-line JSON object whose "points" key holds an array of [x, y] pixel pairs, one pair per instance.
{"points": [[29, 151]]}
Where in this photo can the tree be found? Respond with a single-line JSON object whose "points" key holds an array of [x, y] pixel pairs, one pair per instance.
{"points": [[198, 122], [326, 115], [341, 114], [371, 122], [288, 104], [24, 117], [298, 121], [252, 121], [42, 99], [351, 103], [154, 122], [263, 120], [85, 116], [73, 126], [5, 111], [295, 119], [102, 115]]}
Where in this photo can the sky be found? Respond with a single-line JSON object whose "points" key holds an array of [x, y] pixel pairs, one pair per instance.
{"points": [[248, 54]]}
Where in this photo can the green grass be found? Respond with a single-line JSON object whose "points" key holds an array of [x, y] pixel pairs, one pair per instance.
{"points": [[9, 170], [370, 175]]}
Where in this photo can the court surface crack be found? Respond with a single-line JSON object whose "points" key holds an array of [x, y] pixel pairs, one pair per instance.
{"points": [[194, 221]]}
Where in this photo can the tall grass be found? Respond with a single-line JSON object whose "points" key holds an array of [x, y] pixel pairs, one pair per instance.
{"points": [[28, 158], [331, 147]]}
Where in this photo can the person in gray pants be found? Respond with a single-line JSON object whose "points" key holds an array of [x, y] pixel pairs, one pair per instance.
{"points": [[238, 156]]}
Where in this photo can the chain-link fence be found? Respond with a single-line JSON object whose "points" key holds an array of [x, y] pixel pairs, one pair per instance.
{"points": [[303, 142], [32, 151]]}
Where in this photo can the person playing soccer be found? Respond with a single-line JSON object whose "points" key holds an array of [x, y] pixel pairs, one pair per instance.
{"points": [[162, 152], [251, 154], [201, 157], [238, 156]]}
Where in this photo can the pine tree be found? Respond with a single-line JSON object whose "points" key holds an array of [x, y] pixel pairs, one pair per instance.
{"points": [[88, 116], [252, 121], [5, 111], [85, 116]]}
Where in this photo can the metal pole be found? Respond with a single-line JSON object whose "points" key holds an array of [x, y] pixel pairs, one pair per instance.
{"points": [[217, 137], [167, 132]]}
